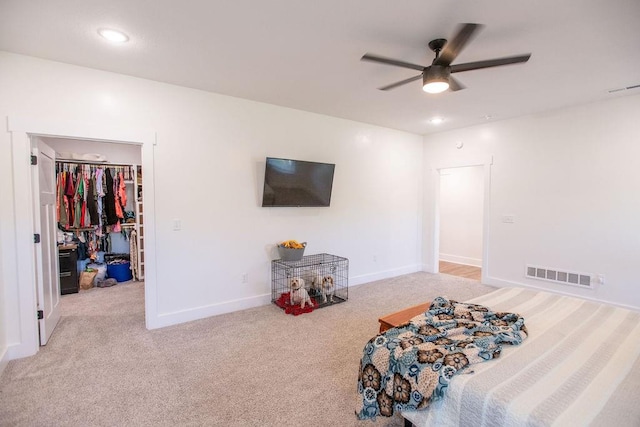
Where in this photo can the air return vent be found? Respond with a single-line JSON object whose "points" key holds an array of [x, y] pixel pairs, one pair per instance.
{"points": [[584, 280]]}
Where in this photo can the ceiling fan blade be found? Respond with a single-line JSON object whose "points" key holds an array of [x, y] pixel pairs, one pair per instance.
{"points": [[389, 61], [454, 84], [454, 46], [400, 83], [490, 63]]}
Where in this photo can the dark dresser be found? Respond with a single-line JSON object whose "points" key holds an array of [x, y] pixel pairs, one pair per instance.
{"points": [[67, 258]]}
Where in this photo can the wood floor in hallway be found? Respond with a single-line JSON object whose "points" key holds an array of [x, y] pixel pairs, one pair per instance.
{"points": [[460, 270]]}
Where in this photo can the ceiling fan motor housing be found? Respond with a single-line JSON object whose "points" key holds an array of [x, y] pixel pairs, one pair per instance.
{"points": [[436, 73]]}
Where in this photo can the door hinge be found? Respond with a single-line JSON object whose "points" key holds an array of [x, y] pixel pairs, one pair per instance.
{"points": [[40, 314], [36, 238], [34, 160]]}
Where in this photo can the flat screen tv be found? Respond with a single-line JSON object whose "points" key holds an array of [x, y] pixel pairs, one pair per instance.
{"points": [[297, 183]]}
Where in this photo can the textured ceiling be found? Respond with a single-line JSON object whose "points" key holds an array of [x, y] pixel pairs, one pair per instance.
{"points": [[306, 55]]}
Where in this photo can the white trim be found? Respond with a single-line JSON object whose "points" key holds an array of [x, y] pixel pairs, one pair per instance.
{"points": [[21, 128], [427, 268], [182, 316], [434, 208], [386, 274], [85, 131], [475, 262], [23, 226], [4, 361]]}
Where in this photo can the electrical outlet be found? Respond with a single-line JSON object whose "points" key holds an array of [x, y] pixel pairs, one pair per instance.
{"points": [[177, 225], [600, 279], [375, 259], [245, 278]]}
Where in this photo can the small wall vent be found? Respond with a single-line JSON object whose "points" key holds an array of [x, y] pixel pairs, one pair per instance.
{"points": [[584, 280]]}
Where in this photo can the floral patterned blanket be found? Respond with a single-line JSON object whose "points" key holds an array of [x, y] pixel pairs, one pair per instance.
{"points": [[407, 367]]}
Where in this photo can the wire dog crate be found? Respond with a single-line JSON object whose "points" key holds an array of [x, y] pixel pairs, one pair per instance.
{"points": [[315, 270]]}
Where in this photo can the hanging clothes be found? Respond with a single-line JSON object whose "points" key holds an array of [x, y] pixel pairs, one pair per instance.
{"points": [[62, 202], [92, 202], [69, 193], [86, 217], [99, 174], [118, 181], [77, 200], [133, 254], [122, 192], [109, 199]]}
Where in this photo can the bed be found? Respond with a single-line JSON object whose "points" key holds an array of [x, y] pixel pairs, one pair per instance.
{"points": [[580, 365]]}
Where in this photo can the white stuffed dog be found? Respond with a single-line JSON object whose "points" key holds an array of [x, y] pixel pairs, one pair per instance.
{"points": [[299, 294], [328, 288], [316, 282]]}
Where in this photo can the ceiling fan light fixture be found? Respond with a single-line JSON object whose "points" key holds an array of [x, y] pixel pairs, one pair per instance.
{"points": [[435, 87], [435, 79]]}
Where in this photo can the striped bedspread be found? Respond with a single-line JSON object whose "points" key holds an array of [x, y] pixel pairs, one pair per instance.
{"points": [[580, 366]]}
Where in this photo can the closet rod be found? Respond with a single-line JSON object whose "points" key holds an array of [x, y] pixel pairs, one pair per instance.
{"points": [[90, 163]]}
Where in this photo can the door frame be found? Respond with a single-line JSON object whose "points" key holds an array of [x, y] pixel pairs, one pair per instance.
{"points": [[21, 130], [433, 211]]}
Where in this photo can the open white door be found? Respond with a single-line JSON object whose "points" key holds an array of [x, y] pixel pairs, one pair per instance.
{"points": [[47, 280]]}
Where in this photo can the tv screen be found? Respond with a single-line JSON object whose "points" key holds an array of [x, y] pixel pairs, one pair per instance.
{"points": [[297, 183]]}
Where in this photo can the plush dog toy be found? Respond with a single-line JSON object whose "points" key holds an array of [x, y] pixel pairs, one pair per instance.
{"points": [[299, 294], [328, 288]]}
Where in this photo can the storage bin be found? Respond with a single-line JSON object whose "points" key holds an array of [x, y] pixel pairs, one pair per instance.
{"points": [[121, 272], [291, 254]]}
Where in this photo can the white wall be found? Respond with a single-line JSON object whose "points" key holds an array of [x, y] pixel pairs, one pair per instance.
{"points": [[461, 207], [571, 179], [209, 161]]}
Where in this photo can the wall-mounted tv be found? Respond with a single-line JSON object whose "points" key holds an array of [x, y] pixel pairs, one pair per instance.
{"points": [[297, 183]]}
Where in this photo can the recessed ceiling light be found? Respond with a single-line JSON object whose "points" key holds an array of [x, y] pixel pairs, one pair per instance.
{"points": [[113, 35], [436, 120]]}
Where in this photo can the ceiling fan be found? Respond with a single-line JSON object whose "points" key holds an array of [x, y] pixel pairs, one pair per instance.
{"points": [[437, 77]]}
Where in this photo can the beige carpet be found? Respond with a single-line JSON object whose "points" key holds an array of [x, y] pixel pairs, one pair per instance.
{"points": [[258, 367]]}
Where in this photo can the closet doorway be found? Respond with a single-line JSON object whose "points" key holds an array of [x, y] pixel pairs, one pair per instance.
{"points": [[24, 330], [106, 235]]}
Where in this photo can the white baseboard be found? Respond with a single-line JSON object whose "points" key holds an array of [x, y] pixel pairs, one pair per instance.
{"points": [[427, 268], [476, 262], [4, 360], [20, 350], [177, 317], [386, 274], [500, 283]]}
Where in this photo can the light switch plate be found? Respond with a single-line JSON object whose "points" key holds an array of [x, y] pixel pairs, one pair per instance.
{"points": [[508, 219]]}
